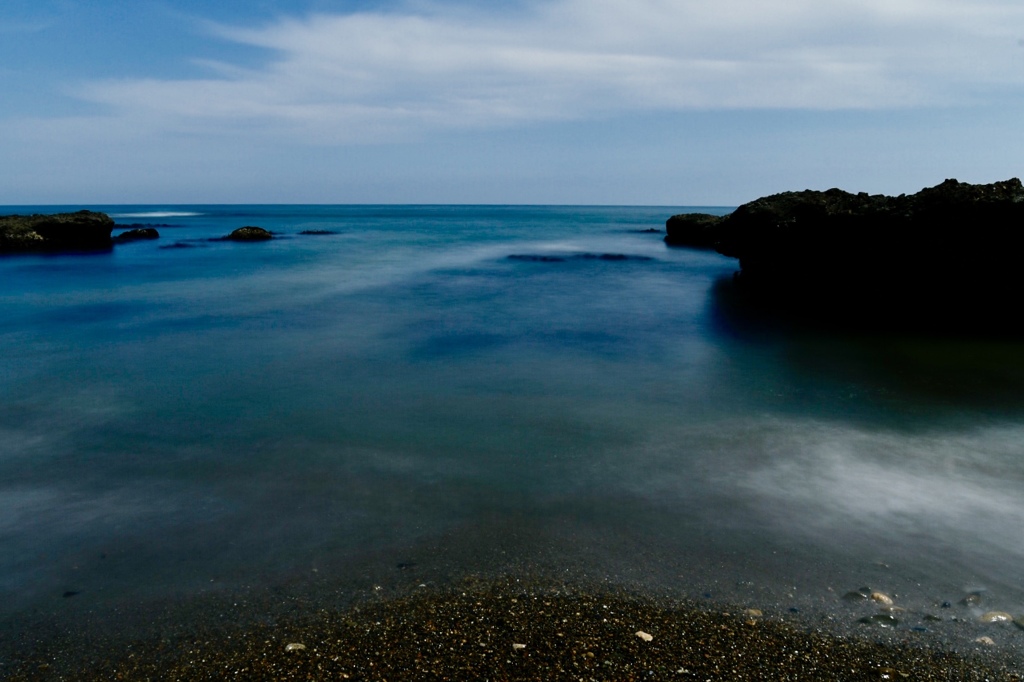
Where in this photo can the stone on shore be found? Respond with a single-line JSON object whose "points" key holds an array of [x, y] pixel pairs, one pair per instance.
{"points": [[996, 617], [79, 231]]}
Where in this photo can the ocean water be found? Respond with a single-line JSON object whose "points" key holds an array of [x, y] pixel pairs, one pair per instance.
{"points": [[425, 393]]}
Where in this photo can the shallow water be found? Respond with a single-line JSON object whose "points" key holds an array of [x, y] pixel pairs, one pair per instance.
{"points": [[460, 390]]}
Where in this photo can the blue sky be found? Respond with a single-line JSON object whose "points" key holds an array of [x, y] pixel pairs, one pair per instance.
{"points": [[667, 102]]}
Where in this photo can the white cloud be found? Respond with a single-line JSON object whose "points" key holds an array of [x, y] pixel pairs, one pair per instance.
{"points": [[381, 75]]}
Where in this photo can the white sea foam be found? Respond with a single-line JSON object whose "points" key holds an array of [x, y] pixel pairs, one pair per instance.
{"points": [[157, 214]]}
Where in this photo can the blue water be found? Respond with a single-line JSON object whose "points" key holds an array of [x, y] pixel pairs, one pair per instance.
{"points": [[460, 390]]}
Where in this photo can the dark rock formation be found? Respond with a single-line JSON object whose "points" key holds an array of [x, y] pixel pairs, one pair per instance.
{"points": [[550, 258], [250, 233], [696, 230], [944, 257], [318, 232], [81, 231], [136, 234]]}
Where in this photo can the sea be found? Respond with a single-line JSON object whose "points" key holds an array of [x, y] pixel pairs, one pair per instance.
{"points": [[387, 398]]}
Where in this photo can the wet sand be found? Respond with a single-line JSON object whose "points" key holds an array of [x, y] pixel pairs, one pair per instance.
{"points": [[499, 630]]}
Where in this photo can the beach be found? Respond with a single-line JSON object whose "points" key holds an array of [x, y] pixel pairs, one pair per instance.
{"points": [[507, 630], [213, 449]]}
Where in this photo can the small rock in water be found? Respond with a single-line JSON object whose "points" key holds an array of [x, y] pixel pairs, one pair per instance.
{"points": [[250, 233], [985, 641], [996, 617], [882, 598], [517, 647], [295, 646], [882, 620], [973, 599], [753, 613], [644, 636], [855, 595], [136, 234]]}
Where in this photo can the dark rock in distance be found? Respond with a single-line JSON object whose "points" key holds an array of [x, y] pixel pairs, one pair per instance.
{"points": [[942, 259], [79, 231], [318, 232], [137, 234], [250, 233], [696, 230], [549, 258]]}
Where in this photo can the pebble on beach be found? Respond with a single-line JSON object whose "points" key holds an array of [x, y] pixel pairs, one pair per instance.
{"points": [[996, 617], [882, 598], [882, 620], [465, 634]]}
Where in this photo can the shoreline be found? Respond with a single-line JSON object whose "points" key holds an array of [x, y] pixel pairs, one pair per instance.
{"points": [[504, 629]]}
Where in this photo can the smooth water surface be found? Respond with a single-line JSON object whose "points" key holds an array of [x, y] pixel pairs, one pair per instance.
{"points": [[426, 392]]}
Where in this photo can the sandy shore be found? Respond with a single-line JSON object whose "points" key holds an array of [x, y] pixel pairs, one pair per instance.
{"points": [[504, 630]]}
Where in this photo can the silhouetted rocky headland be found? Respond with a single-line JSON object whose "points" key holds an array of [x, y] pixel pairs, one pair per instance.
{"points": [[79, 231], [944, 258]]}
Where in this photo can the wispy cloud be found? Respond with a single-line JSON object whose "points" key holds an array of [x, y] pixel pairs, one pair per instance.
{"points": [[381, 75]]}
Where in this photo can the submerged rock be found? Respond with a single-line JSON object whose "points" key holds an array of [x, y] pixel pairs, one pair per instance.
{"points": [[562, 258], [882, 620], [79, 231], [861, 594], [250, 233], [972, 599]]}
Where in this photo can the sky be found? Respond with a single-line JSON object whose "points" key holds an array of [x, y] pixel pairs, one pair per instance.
{"points": [[642, 102]]}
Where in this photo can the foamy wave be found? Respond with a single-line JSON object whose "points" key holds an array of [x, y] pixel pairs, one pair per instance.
{"points": [[156, 214]]}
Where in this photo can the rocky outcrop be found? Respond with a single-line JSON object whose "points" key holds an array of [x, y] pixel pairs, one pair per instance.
{"points": [[946, 256], [250, 233], [136, 234], [80, 231], [696, 230]]}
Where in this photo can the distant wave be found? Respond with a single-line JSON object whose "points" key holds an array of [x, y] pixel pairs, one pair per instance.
{"points": [[156, 214]]}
